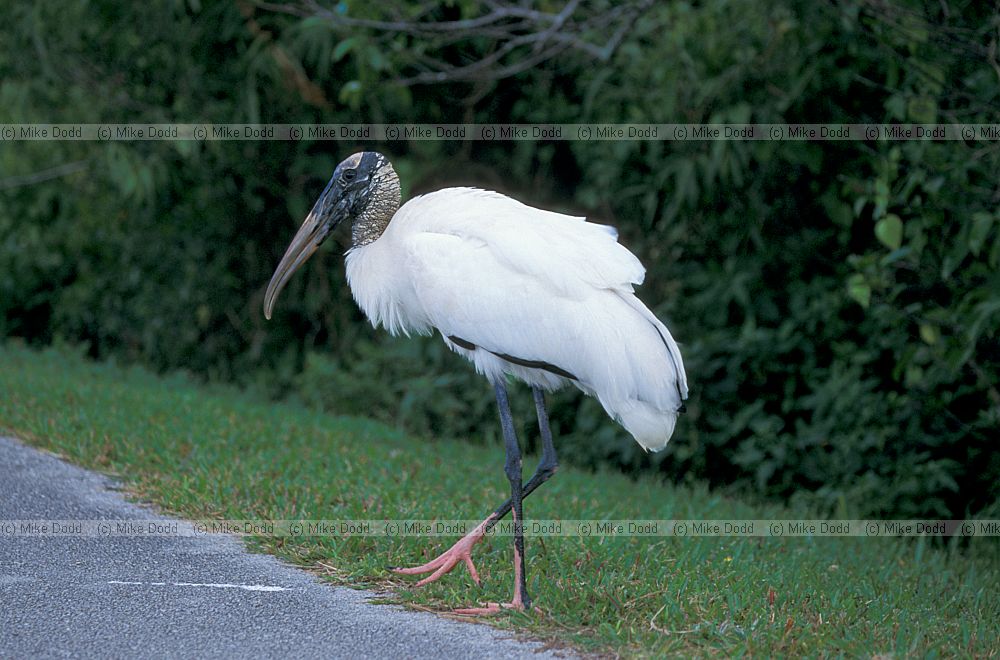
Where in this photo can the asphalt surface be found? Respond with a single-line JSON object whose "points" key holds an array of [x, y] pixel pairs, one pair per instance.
{"points": [[199, 597]]}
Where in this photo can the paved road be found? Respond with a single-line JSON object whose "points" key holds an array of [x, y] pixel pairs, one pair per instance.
{"points": [[97, 597]]}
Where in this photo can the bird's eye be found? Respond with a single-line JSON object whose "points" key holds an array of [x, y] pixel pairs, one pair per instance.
{"points": [[349, 175]]}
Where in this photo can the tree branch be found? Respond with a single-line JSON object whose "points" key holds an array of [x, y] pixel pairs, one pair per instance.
{"points": [[56, 172], [521, 37]]}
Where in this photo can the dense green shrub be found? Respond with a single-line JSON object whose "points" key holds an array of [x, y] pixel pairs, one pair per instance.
{"points": [[837, 302]]}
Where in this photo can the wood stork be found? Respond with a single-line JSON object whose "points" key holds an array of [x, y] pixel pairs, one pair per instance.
{"points": [[543, 297]]}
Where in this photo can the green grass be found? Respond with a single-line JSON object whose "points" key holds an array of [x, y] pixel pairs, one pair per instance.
{"points": [[214, 452]]}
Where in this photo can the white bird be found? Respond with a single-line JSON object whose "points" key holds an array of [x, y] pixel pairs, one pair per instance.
{"points": [[544, 297]]}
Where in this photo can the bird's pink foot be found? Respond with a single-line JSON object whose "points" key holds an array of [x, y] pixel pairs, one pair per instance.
{"points": [[460, 552], [518, 603]]}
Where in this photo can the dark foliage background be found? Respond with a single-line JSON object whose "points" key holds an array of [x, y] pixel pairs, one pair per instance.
{"points": [[837, 302]]}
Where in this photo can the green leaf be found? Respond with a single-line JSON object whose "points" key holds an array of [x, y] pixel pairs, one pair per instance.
{"points": [[981, 223], [859, 205], [922, 109], [350, 93], [929, 333], [343, 48], [954, 259], [859, 290], [376, 60], [895, 256], [314, 22], [881, 198], [889, 230], [895, 105], [934, 184]]}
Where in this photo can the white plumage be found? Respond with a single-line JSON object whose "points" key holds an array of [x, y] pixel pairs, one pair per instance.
{"points": [[542, 296], [533, 286]]}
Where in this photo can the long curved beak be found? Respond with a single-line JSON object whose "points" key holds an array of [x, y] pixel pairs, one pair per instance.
{"points": [[310, 236]]}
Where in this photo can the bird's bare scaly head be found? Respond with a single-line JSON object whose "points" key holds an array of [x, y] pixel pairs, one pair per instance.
{"points": [[365, 189]]}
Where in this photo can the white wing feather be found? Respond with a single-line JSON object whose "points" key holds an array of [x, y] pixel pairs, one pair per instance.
{"points": [[530, 284], [567, 252]]}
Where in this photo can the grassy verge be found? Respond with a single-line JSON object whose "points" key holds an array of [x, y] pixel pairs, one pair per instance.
{"points": [[212, 452]]}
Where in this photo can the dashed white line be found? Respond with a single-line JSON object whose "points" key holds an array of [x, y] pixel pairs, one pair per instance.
{"points": [[213, 585]]}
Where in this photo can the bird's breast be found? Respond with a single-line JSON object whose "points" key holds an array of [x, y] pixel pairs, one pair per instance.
{"points": [[377, 278]]}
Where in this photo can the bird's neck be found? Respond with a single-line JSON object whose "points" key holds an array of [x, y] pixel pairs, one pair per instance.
{"points": [[382, 205]]}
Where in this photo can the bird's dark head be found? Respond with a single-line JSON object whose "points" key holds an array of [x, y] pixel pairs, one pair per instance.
{"points": [[365, 189]]}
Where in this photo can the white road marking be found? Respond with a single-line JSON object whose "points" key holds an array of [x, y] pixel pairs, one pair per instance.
{"points": [[215, 585]]}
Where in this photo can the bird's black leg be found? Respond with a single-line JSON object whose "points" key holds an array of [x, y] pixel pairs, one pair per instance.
{"points": [[512, 467], [548, 464], [546, 467], [461, 552]]}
